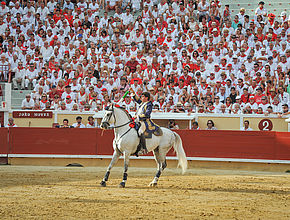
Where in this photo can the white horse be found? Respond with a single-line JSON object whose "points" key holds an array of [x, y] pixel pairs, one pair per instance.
{"points": [[126, 141]]}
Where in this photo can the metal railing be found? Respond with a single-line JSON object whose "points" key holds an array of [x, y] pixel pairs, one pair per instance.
{"points": [[2, 95], [5, 96], [4, 73]]}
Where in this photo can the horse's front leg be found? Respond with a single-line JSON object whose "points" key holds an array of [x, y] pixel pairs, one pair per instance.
{"points": [[126, 165], [114, 160]]}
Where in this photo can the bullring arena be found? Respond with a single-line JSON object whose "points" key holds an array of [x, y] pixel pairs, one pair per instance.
{"points": [[212, 187], [29, 192], [215, 72]]}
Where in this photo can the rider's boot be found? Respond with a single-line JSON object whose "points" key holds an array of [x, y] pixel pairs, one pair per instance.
{"points": [[143, 149]]}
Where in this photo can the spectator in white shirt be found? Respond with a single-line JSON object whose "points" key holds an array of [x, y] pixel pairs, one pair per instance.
{"points": [[261, 10], [27, 103], [127, 18], [79, 123], [4, 9], [10, 123], [246, 126], [43, 11], [69, 5], [91, 123], [19, 76], [46, 51]]}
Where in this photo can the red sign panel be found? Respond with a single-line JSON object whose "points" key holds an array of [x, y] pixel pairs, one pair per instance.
{"points": [[32, 114], [265, 125]]}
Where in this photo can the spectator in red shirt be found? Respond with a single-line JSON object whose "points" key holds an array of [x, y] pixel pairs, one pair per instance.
{"points": [[57, 15], [161, 38], [132, 64], [186, 77], [259, 95], [245, 96], [53, 93]]}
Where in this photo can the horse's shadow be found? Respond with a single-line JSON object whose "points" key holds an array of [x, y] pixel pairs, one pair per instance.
{"points": [[205, 189], [84, 200]]}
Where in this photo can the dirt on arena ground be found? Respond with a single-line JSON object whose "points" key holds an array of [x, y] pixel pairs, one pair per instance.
{"points": [[73, 193]]}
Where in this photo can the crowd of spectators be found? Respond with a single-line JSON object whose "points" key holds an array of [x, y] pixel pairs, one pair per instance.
{"points": [[78, 124], [192, 56]]}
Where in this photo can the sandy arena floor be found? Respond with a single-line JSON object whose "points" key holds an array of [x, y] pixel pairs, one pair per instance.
{"points": [[29, 192]]}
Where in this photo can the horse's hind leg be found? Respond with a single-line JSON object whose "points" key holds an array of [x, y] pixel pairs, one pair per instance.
{"points": [[161, 164], [126, 165], [114, 160]]}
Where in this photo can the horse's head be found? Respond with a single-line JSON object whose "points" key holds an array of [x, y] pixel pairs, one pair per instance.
{"points": [[108, 117]]}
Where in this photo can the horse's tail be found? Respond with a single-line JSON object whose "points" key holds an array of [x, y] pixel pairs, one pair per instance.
{"points": [[182, 161]]}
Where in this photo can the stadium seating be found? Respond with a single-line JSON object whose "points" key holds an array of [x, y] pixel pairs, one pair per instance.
{"points": [[275, 6], [17, 97], [205, 67]]}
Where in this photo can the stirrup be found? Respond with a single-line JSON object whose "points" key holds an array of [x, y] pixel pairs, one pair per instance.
{"points": [[142, 152]]}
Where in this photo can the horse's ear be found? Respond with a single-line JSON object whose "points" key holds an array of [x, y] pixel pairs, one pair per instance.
{"points": [[110, 105]]}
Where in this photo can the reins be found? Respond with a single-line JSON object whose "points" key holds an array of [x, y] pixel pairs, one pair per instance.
{"points": [[119, 126]]}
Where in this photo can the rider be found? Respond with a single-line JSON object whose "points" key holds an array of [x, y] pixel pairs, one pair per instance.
{"points": [[143, 114]]}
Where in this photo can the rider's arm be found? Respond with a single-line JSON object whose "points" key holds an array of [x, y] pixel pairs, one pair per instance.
{"points": [[137, 99]]}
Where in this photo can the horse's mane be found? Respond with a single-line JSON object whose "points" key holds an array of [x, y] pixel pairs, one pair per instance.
{"points": [[125, 111]]}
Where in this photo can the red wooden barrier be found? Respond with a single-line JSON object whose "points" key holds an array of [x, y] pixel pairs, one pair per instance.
{"points": [[209, 144], [283, 145], [53, 141], [223, 144], [3, 140], [229, 144], [105, 142]]}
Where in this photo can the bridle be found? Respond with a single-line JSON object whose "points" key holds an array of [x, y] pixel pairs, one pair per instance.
{"points": [[119, 126]]}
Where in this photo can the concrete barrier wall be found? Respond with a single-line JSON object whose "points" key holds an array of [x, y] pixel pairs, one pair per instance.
{"points": [[50, 142]]}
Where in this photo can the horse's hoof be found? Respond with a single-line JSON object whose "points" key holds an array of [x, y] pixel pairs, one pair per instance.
{"points": [[152, 184], [103, 184], [122, 185]]}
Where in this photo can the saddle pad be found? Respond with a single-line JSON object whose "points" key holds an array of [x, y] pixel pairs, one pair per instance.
{"points": [[152, 128]]}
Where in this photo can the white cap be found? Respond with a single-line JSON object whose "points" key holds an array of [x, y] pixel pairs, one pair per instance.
{"points": [[283, 13], [150, 88], [214, 30]]}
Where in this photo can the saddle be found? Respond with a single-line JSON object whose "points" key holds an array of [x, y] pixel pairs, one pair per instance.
{"points": [[150, 128]]}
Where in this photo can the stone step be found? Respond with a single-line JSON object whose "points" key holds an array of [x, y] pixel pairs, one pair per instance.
{"points": [[17, 97]]}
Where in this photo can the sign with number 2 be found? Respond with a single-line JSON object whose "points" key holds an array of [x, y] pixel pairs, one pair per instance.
{"points": [[265, 125]]}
